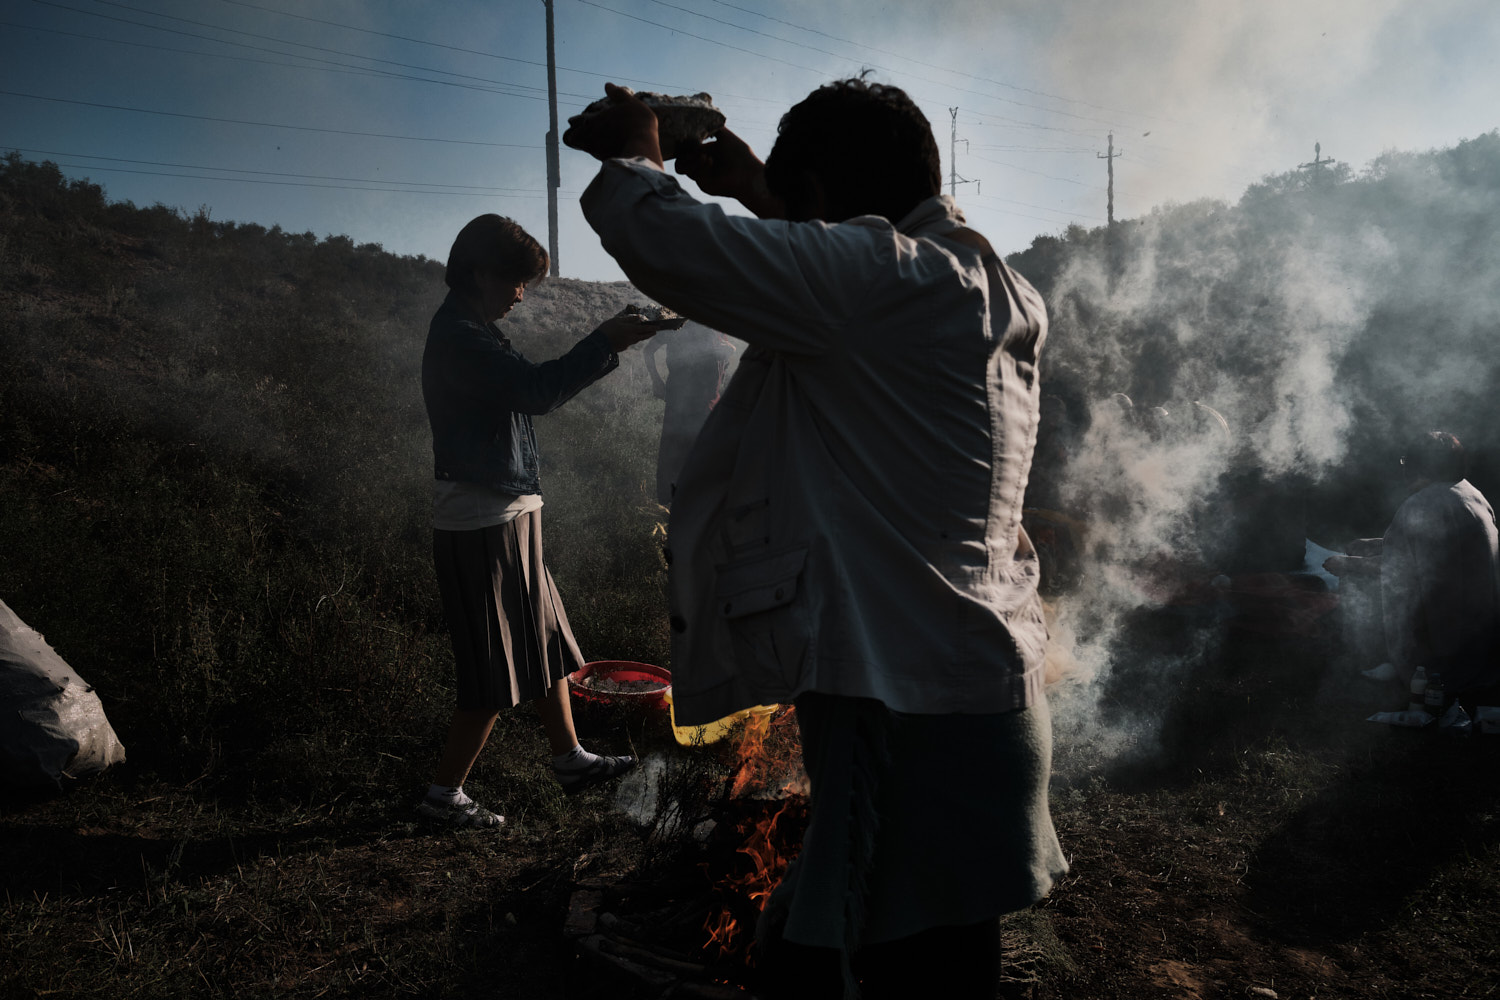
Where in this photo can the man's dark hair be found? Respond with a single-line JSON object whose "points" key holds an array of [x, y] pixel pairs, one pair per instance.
{"points": [[867, 144], [494, 243], [1436, 455]]}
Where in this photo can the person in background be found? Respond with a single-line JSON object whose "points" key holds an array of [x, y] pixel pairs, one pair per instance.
{"points": [[1439, 570], [511, 639], [697, 363], [846, 534]]}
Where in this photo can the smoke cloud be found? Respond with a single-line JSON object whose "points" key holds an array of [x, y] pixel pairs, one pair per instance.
{"points": [[1326, 317]]}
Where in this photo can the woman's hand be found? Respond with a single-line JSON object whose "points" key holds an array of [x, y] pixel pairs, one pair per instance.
{"points": [[727, 166], [626, 328], [626, 128]]}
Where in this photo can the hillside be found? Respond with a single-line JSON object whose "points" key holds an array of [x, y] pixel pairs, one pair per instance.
{"points": [[234, 415]]}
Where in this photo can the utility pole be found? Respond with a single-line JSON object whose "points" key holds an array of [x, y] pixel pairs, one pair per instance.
{"points": [[1317, 164], [1110, 213], [554, 168], [953, 179]]}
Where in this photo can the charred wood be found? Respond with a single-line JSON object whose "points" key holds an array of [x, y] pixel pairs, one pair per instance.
{"points": [[592, 949]]}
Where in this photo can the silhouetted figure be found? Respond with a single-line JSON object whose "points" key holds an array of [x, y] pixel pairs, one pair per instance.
{"points": [[847, 534], [697, 363], [1440, 571]]}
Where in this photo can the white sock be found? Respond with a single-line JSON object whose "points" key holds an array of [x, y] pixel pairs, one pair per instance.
{"points": [[448, 794], [574, 760]]}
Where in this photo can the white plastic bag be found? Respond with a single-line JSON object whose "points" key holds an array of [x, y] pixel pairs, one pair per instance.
{"points": [[52, 724]]}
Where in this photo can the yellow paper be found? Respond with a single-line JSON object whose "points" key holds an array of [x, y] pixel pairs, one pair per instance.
{"points": [[712, 732]]}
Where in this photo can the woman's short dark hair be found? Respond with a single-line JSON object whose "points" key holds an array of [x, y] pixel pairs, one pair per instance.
{"points": [[1436, 455], [494, 243], [869, 146]]}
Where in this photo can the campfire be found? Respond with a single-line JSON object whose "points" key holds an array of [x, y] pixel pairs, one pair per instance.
{"points": [[768, 862], [692, 933]]}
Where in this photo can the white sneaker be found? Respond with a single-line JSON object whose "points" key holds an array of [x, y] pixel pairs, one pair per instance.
{"points": [[464, 814]]}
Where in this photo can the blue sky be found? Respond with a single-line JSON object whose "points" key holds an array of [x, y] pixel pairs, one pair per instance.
{"points": [[396, 122]]}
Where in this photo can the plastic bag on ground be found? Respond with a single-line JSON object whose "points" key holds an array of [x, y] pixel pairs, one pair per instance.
{"points": [[1415, 720], [1456, 720], [52, 724]]}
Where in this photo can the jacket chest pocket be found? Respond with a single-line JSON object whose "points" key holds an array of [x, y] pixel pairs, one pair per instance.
{"points": [[760, 584], [757, 600]]}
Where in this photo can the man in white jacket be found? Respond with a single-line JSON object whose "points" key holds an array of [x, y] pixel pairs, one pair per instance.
{"points": [[846, 531]]}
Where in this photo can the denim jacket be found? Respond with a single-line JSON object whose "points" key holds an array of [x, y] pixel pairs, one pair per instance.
{"points": [[849, 519], [481, 394]]}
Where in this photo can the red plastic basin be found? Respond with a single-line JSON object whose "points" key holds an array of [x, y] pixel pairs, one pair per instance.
{"points": [[621, 672]]}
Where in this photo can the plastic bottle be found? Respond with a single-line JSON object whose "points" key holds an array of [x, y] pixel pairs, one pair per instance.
{"points": [[1418, 702], [1433, 696]]}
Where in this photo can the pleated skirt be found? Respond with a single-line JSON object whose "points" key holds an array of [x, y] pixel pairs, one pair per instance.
{"points": [[511, 638]]}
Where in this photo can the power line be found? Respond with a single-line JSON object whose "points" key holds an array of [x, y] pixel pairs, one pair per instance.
{"points": [[385, 34], [949, 69], [741, 27], [583, 99], [329, 67], [296, 128], [701, 38], [1043, 208], [306, 184], [281, 41], [884, 69], [809, 69], [491, 55], [1018, 215], [1037, 149], [267, 173], [1026, 170], [1016, 123]]}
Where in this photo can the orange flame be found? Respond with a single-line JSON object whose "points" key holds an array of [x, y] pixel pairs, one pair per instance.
{"points": [[769, 865], [751, 753], [754, 774]]}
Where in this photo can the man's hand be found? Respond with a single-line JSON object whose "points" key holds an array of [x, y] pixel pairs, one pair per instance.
{"points": [[626, 328], [726, 166], [626, 128]]}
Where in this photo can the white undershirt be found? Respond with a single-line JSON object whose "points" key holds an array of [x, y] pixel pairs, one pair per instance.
{"points": [[460, 506]]}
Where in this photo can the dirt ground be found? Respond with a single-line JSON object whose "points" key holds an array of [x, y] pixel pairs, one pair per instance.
{"points": [[1266, 841]]}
